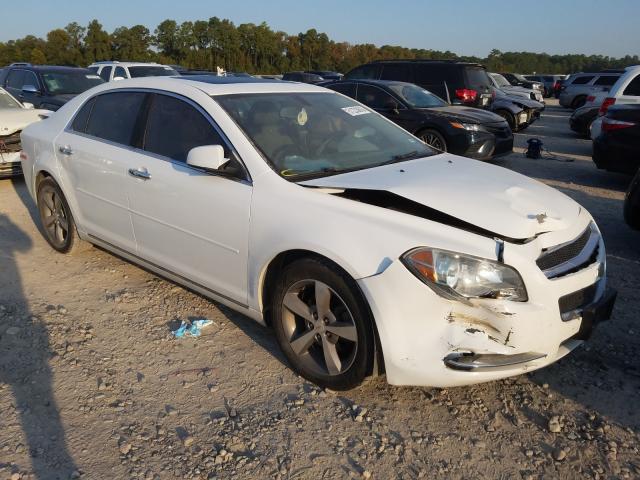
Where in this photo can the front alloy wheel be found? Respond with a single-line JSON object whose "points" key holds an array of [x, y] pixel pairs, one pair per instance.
{"points": [[323, 325]]}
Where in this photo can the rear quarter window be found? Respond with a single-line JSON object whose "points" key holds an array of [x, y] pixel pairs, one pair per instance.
{"points": [[633, 89], [607, 80], [582, 80]]}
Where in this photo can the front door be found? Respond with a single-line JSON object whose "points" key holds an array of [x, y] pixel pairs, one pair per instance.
{"points": [[190, 222]]}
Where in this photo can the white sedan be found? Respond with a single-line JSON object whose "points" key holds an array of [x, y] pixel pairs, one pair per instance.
{"points": [[363, 249], [14, 116]]}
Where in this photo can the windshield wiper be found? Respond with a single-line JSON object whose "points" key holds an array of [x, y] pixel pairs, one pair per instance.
{"points": [[404, 156]]}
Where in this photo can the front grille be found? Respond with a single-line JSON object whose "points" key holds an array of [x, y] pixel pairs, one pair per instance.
{"points": [[565, 253], [577, 300], [10, 143]]}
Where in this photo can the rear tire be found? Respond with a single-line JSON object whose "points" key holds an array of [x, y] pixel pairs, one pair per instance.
{"points": [[578, 102], [433, 138], [323, 324], [57, 222]]}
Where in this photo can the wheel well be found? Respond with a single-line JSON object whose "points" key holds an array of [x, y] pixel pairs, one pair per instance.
{"points": [[277, 265], [42, 174]]}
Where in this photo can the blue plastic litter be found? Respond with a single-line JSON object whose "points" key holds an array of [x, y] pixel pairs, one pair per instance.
{"points": [[192, 328]]}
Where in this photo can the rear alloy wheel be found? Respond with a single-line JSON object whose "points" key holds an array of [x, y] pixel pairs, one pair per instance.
{"points": [[433, 139], [55, 215], [322, 325]]}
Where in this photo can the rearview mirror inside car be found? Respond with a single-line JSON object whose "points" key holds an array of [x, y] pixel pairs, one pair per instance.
{"points": [[209, 157]]}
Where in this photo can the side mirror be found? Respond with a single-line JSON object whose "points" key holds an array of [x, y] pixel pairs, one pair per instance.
{"points": [[27, 105], [30, 89], [209, 157], [117, 79]]}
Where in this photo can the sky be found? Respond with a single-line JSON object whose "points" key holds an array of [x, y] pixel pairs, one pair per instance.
{"points": [[466, 27]]}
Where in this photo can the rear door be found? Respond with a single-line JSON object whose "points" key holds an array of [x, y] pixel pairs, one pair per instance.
{"points": [[95, 153], [192, 223]]}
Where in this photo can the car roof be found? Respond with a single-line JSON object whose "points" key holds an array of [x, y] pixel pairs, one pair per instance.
{"points": [[418, 60], [128, 64], [49, 68], [210, 85], [380, 83]]}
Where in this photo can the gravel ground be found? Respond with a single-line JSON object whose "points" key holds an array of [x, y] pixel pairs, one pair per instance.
{"points": [[93, 386]]}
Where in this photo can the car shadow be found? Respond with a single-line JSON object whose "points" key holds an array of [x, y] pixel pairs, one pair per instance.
{"points": [[24, 365]]}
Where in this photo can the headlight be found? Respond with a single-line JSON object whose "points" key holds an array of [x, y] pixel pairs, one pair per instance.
{"points": [[458, 276], [472, 127]]}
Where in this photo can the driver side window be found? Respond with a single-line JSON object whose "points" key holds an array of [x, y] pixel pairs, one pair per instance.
{"points": [[174, 127], [375, 98]]}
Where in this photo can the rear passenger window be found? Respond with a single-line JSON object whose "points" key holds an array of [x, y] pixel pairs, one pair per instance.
{"points": [[606, 81], [105, 73], [397, 71], [633, 89], [80, 122], [174, 127], [114, 116], [582, 80], [364, 72], [348, 89]]}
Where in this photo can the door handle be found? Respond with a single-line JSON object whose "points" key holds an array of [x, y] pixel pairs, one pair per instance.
{"points": [[140, 173], [65, 150]]}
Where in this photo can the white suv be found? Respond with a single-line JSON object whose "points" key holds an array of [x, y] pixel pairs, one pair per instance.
{"points": [[114, 70], [626, 90]]}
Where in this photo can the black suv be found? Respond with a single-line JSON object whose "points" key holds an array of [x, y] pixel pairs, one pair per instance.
{"points": [[47, 87], [457, 82]]}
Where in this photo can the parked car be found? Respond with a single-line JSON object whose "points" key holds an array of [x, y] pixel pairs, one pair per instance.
{"points": [[465, 131], [632, 203], [548, 82], [302, 77], [519, 81], [115, 70], [517, 111], [304, 210], [617, 148], [47, 87], [626, 90], [326, 74], [14, 116], [503, 84], [460, 83], [582, 119], [579, 86]]}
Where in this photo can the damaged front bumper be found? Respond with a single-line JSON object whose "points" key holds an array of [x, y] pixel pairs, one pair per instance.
{"points": [[432, 341], [10, 164]]}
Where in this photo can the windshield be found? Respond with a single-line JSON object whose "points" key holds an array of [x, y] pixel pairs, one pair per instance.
{"points": [[7, 101], [157, 71], [307, 135], [500, 80], [70, 82], [417, 97]]}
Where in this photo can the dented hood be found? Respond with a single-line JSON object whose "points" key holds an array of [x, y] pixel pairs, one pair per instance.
{"points": [[491, 198], [15, 119]]}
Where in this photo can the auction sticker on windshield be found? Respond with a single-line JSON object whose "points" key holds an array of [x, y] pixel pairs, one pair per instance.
{"points": [[355, 110]]}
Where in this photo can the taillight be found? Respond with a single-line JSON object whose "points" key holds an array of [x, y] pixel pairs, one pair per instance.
{"points": [[608, 124], [591, 98], [605, 105], [466, 95], [23, 156], [556, 86]]}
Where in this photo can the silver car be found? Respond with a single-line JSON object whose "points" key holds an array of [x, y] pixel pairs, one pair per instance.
{"points": [[503, 84], [579, 86]]}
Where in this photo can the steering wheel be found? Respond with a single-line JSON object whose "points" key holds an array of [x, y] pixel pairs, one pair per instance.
{"points": [[335, 137]]}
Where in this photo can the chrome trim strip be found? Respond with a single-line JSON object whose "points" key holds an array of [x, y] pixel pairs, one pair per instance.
{"points": [[581, 258], [490, 362]]}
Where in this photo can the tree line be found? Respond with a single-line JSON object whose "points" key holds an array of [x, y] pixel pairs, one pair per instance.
{"points": [[205, 44]]}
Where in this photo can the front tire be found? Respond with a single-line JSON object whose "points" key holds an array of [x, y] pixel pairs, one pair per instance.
{"points": [[323, 325], [57, 221], [433, 138]]}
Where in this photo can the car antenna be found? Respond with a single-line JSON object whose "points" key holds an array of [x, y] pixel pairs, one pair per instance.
{"points": [[446, 89]]}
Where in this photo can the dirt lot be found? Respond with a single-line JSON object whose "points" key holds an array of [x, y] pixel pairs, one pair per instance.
{"points": [[92, 385]]}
